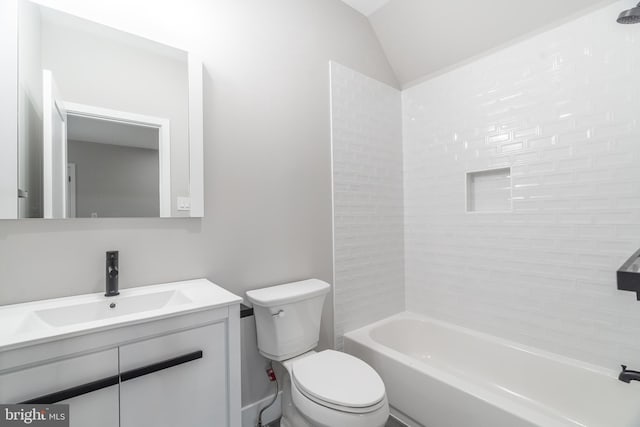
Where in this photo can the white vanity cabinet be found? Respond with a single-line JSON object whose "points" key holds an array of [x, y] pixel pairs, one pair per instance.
{"points": [[175, 380], [89, 384], [168, 369]]}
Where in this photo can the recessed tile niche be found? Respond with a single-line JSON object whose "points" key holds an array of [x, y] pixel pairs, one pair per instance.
{"points": [[489, 190]]}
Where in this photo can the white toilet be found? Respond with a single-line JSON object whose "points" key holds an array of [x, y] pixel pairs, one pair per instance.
{"points": [[319, 389]]}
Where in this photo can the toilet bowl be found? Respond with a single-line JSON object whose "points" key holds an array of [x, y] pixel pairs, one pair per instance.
{"points": [[319, 389], [335, 389]]}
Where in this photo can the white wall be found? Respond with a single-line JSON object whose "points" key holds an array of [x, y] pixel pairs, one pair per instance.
{"points": [[561, 109], [30, 111], [366, 126], [114, 72], [115, 181], [267, 157], [8, 109]]}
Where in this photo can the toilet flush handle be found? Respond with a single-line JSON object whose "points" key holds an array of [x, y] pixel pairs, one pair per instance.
{"points": [[280, 313]]}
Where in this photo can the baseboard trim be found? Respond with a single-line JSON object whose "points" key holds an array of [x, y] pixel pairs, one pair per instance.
{"points": [[250, 412]]}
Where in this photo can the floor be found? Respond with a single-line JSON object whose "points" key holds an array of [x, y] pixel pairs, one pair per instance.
{"points": [[392, 422]]}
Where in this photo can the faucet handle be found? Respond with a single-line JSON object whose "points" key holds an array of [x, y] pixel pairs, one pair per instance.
{"points": [[624, 367], [113, 272]]}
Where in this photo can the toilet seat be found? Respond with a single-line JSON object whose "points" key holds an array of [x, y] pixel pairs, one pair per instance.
{"points": [[321, 415], [339, 408], [339, 381]]}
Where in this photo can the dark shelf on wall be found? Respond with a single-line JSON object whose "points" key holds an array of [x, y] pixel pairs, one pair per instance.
{"points": [[245, 311], [629, 275]]}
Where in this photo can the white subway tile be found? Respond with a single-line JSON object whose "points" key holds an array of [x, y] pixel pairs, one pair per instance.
{"points": [[368, 200], [561, 110]]}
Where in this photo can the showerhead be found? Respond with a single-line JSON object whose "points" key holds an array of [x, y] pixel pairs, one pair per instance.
{"points": [[631, 16]]}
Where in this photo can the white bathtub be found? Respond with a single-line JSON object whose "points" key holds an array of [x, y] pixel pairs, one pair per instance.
{"points": [[441, 375]]}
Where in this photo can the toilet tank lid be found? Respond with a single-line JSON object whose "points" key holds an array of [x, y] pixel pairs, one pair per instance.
{"points": [[288, 293]]}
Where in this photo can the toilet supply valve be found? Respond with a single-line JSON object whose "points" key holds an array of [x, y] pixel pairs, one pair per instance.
{"points": [[272, 377], [280, 313], [271, 374]]}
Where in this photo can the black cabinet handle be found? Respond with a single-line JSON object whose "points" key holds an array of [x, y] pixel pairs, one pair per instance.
{"points": [[169, 363], [76, 391]]}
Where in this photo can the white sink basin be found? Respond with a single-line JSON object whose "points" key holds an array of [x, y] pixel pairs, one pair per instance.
{"points": [[26, 324], [41, 321], [110, 308]]}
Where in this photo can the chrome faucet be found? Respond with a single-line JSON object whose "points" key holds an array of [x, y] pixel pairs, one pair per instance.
{"points": [[627, 375], [112, 274]]}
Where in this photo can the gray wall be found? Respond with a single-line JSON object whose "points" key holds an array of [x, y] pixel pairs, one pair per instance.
{"points": [[114, 181], [267, 158]]}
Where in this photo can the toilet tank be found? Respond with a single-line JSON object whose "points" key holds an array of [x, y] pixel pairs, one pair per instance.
{"points": [[288, 317]]}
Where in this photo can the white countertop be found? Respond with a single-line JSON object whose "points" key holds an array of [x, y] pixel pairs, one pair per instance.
{"points": [[47, 320]]}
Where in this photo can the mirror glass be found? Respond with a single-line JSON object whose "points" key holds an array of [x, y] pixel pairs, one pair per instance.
{"points": [[103, 121]]}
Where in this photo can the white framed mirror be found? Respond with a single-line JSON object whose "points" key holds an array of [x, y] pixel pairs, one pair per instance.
{"points": [[108, 123]]}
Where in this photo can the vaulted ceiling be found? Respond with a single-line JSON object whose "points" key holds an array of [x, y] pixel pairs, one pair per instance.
{"points": [[424, 37]]}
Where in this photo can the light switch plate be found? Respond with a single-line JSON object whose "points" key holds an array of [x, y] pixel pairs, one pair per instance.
{"points": [[184, 203]]}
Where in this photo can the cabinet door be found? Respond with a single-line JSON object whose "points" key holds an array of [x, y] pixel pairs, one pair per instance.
{"points": [[89, 384], [176, 380]]}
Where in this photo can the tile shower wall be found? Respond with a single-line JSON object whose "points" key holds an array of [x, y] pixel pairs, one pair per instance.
{"points": [[366, 129], [561, 109]]}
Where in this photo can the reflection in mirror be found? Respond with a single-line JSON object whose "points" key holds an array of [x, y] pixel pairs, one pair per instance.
{"points": [[113, 168], [103, 120]]}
